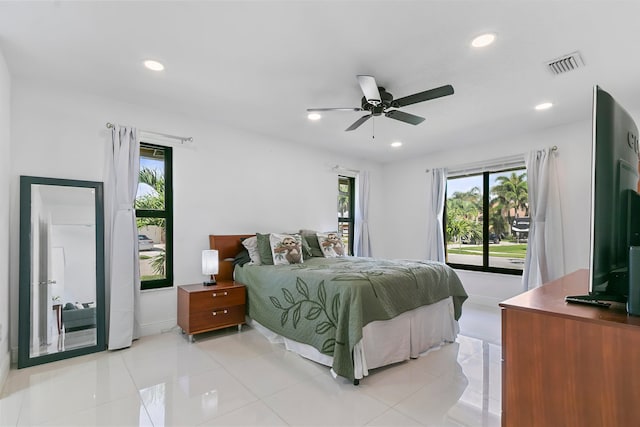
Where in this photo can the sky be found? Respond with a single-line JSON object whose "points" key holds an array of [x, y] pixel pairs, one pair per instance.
{"points": [[466, 183]]}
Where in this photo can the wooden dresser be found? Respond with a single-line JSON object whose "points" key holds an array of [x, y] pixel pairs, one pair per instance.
{"points": [[568, 364], [205, 308]]}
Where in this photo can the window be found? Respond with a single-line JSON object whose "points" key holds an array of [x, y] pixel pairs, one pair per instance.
{"points": [[487, 221], [346, 205], [154, 217]]}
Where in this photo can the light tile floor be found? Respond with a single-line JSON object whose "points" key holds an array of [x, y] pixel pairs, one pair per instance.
{"points": [[230, 378]]}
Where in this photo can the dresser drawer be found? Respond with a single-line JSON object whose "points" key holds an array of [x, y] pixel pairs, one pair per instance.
{"points": [[215, 319], [216, 298]]}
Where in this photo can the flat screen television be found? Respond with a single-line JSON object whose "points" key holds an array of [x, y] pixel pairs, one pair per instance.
{"points": [[615, 198]]}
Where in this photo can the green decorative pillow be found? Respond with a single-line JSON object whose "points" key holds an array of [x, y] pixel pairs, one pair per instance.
{"points": [[242, 258], [331, 245], [310, 240], [306, 249], [286, 248], [264, 249]]}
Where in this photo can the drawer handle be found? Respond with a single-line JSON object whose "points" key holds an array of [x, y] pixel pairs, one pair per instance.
{"points": [[215, 313], [224, 294]]}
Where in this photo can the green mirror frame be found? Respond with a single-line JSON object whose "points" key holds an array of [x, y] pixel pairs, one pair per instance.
{"points": [[25, 358]]}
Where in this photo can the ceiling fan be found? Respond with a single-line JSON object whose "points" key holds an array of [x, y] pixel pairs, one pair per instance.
{"points": [[378, 101]]}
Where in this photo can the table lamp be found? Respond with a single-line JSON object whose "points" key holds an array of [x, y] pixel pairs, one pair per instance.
{"points": [[210, 266]]}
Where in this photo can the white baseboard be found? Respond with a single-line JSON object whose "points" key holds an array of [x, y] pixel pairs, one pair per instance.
{"points": [[5, 363], [483, 300], [157, 327]]}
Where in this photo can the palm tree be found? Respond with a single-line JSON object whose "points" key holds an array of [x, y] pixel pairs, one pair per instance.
{"points": [[153, 200], [497, 222], [463, 215], [511, 194]]}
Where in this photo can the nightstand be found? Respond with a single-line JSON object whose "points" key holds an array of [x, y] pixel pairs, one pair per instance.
{"points": [[206, 308]]}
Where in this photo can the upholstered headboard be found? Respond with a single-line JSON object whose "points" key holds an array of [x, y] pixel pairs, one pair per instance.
{"points": [[228, 246]]}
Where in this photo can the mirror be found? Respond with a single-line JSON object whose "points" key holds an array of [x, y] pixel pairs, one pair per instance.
{"points": [[61, 297]]}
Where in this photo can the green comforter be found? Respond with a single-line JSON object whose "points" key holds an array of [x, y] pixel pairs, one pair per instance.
{"points": [[326, 302]]}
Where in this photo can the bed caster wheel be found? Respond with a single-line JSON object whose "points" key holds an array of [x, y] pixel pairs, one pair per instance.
{"points": [[356, 382]]}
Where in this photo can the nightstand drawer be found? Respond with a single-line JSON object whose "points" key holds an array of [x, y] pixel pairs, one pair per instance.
{"points": [[205, 308], [216, 298], [218, 318]]}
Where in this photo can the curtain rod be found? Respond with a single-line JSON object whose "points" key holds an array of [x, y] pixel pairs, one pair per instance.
{"points": [[181, 138], [470, 166], [338, 168]]}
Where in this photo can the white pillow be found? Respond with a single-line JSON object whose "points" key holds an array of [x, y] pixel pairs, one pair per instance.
{"points": [[331, 245], [251, 244], [286, 248]]}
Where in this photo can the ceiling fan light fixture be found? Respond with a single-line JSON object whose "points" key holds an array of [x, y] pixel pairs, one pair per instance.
{"points": [[153, 65], [544, 106], [314, 116], [396, 144], [483, 40]]}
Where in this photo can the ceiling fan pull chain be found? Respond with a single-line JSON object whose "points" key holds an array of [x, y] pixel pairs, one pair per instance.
{"points": [[373, 128]]}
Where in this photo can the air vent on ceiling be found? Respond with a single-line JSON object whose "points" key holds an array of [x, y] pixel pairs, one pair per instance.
{"points": [[565, 63]]}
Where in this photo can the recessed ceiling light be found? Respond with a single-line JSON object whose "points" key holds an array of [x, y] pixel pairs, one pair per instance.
{"points": [[153, 65], [314, 116], [396, 144], [483, 40], [544, 106]]}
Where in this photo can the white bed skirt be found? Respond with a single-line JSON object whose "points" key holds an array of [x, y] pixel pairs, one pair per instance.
{"points": [[386, 342]]}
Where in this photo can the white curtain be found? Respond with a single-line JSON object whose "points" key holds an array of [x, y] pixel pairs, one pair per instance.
{"points": [[545, 252], [121, 251], [361, 243], [436, 182]]}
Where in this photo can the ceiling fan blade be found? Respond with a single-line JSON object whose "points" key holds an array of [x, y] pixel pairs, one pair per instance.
{"points": [[358, 122], [404, 117], [370, 89], [424, 96], [334, 109]]}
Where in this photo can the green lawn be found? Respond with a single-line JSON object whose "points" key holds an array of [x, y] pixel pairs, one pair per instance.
{"points": [[155, 277], [505, 251]]}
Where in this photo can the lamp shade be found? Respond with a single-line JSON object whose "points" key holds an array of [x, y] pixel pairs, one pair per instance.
{"points": [[209, 262]]}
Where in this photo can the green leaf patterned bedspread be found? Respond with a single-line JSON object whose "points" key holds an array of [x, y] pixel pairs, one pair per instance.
{"points": [[326, 302]]}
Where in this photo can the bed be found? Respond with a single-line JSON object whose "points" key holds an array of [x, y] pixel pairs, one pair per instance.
{"points": [[352, 314]]}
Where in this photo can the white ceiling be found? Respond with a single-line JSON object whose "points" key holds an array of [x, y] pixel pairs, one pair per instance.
{"points": [[259, 65]]}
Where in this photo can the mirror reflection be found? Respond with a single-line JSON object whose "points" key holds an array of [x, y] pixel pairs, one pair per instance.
{"points": [[61, 269], [63, 265]]}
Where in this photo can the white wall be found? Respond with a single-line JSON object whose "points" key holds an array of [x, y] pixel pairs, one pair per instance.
{"points": [[5, 97], [228, 182], [405, 183], [231, 181]]}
